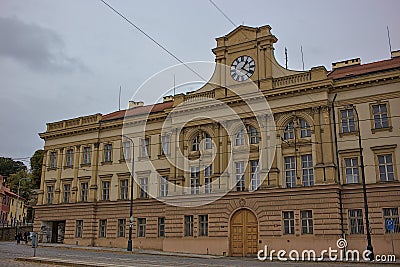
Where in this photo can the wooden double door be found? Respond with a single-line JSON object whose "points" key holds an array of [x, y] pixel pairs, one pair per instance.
{"points": [[243, 233]]}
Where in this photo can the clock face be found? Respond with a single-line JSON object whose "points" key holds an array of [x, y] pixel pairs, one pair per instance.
{"points": [[242, 68]]}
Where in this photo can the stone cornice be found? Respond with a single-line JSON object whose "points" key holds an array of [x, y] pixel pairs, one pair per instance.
{"points": [[69, 131], [357, 82]]}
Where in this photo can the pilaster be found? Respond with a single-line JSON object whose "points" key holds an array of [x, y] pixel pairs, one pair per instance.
{"points": [[93, 179]]}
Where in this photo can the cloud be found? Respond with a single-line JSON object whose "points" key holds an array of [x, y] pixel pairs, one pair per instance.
{"points": [[39, 48]]}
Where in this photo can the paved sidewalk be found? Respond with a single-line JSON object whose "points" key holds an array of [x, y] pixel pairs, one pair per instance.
{"points": [[134, 251], [58, 254], [75, 263]]}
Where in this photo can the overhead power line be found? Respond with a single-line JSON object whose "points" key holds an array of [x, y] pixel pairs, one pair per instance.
{"points": [[151, 38], [222, 12]]}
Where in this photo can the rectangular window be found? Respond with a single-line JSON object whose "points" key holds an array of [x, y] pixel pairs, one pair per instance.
{"points": [[352, 170], [79, 228], [239, 138], [255, 181], [288, 222], [67, 193], [105, 192], [307, 170], [107, 152], [145, 147], [49, 194], [161, 227], [188, 225], [141, 230], [288, 133], [306, 222], [196, 143], [103, 228], [208, 142], [208, 171], [392, 214], [290, 171], [253, 135], [305, 129], [203, 225], [386, 170], [53, 159], [348, 122], [123, 189], [143, 187], [163, 186], [165, 144], [194, 180], [356, 222], [86, 155], [239, 171], [121, 227], [84, 191], [207, 179], [380, 116], [126, 150], [69, 157]]}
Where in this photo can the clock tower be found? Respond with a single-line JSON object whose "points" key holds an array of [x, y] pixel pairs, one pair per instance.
{"points": [[249, 54]]}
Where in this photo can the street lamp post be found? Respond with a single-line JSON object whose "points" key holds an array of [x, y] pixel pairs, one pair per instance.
{"points": [[131, 200], [369, 243]]}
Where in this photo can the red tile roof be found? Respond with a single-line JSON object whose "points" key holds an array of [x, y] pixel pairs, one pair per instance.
{"points": [[356, 70], [137, 111]]}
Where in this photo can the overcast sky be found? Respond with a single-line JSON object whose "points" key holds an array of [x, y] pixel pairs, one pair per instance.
{"points": [[61, 59]]}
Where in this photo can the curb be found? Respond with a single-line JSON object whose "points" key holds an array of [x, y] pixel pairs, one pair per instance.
{"points": [[67, 262], [137, 251]]}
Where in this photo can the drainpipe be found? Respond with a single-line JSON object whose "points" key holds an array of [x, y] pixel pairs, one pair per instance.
{"points": [[338, 167]]}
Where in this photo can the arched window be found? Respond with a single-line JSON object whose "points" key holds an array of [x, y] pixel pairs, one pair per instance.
{"points": [[305, 129], [253, 135], [196, 143], [289, 131], [239, 138]]}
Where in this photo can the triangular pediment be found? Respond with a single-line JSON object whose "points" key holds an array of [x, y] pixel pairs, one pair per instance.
{"points": [[240, 35]]}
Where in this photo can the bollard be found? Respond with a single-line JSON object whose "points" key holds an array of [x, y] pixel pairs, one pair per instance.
{"points": [[34, 243]]}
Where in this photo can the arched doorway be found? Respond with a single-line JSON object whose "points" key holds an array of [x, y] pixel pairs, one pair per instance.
{"points": [[243, 233]]}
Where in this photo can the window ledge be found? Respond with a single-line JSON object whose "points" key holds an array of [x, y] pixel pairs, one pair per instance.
{"points": [[342, 134], [85, 165], [386, 182], [162, 156], [106, 162], [375, 130]]}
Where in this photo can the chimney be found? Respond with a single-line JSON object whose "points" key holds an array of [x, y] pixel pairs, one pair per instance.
{"points": [[395, 53], [346, 63], [168, 98], [134, 104]]}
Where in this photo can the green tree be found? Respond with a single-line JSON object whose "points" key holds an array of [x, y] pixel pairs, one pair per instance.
{"points": [[26, 184], [8, 166], [36, 168]]}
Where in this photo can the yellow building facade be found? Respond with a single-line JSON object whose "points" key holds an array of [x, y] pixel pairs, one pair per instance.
{"points": [[16, 203], [287, 175]]}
